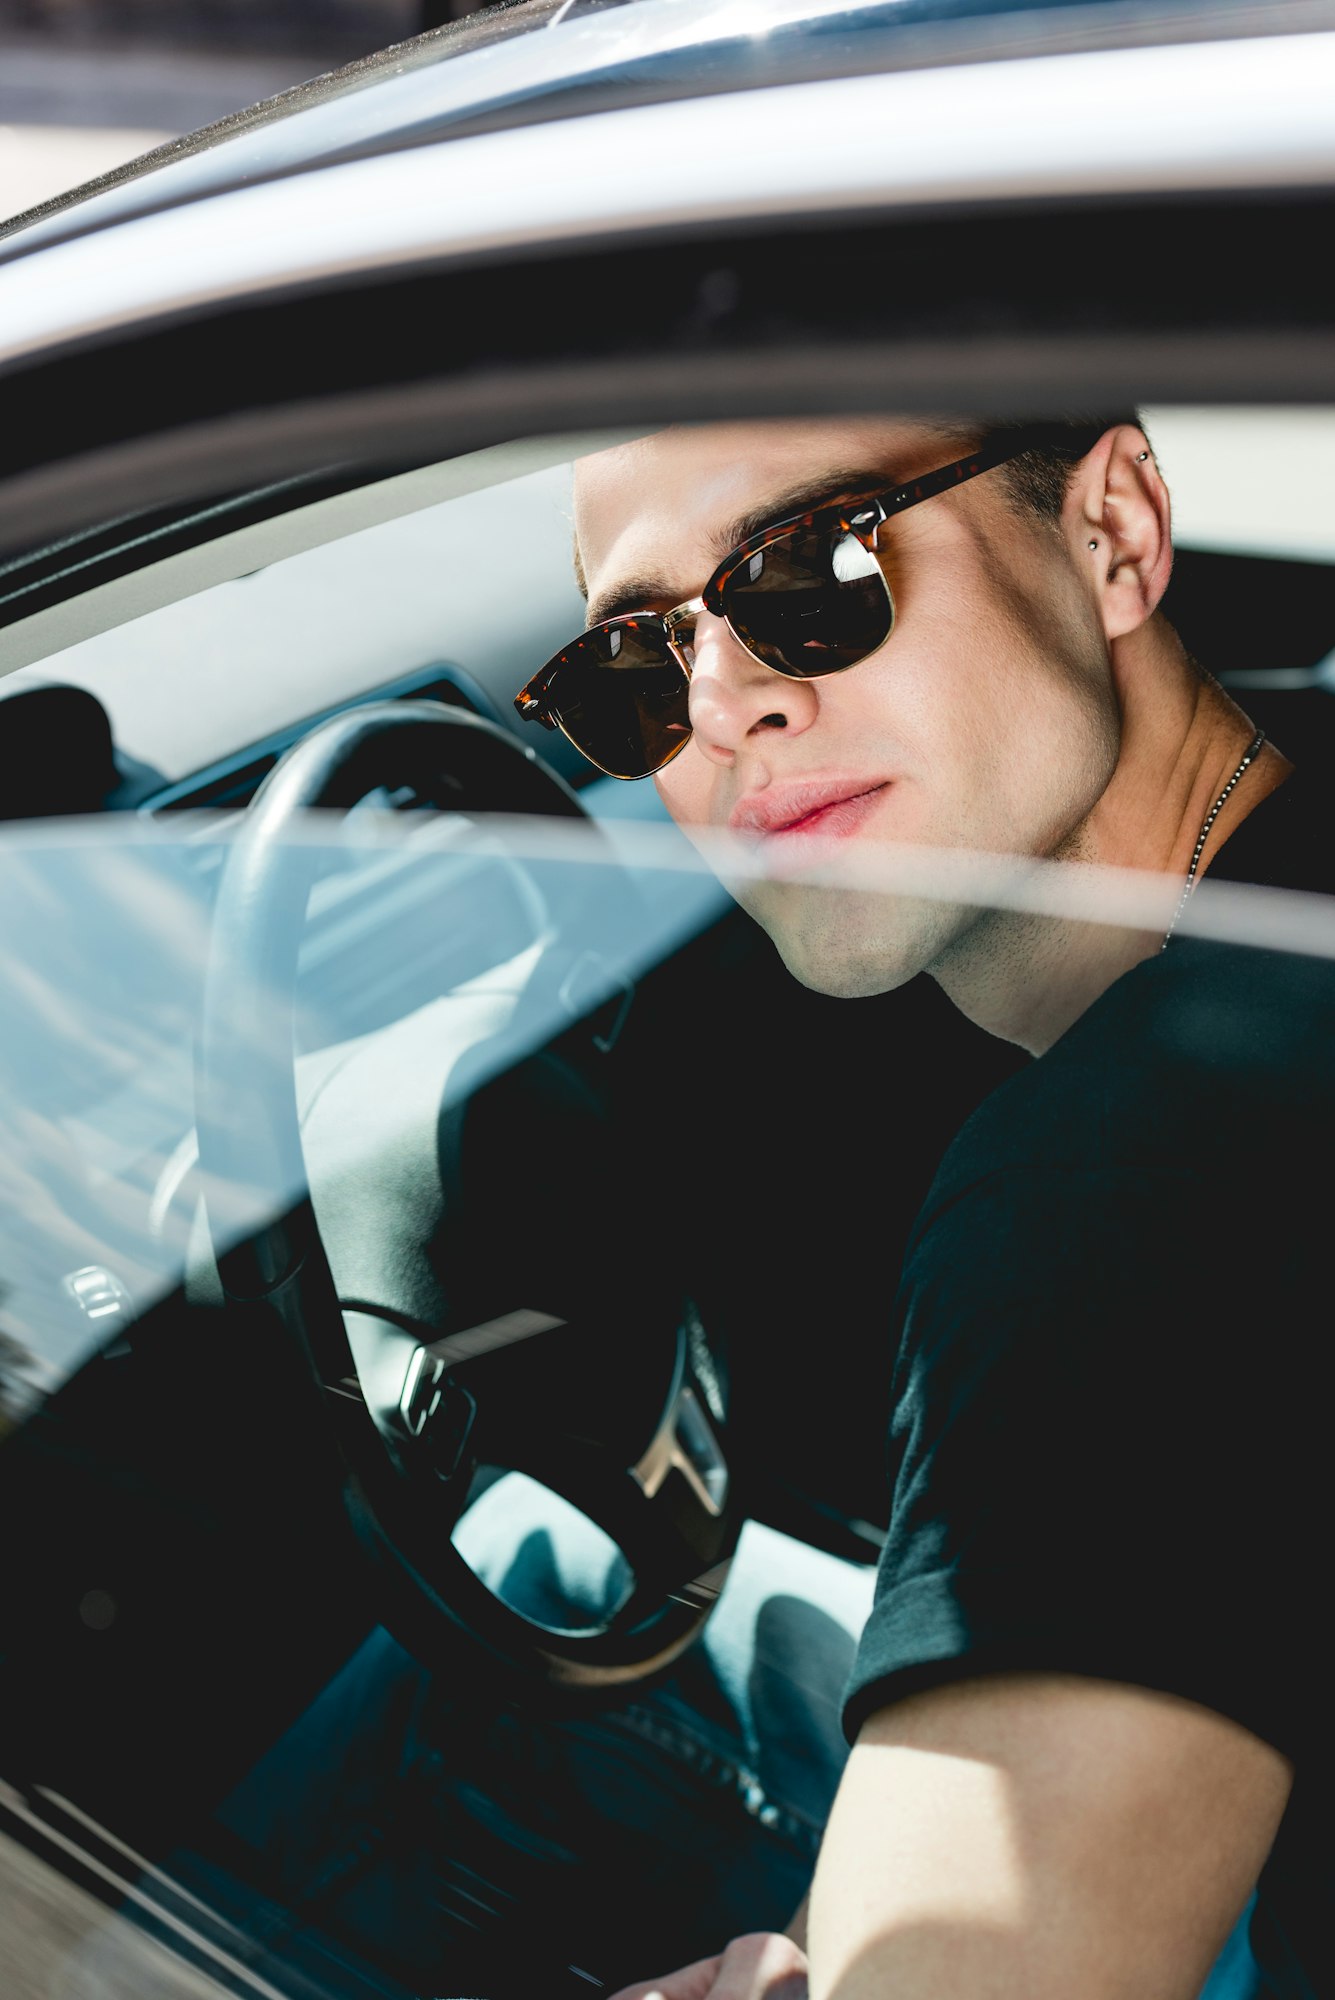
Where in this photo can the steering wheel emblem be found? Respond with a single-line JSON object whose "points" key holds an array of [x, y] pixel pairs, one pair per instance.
{"points": [[686, 1445]]}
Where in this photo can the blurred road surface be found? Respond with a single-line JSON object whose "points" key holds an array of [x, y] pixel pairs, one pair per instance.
{"points": [[67, 114]]}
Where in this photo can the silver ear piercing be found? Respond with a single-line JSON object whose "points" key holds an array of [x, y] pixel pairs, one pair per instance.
{"points": [[1093, 545], [1141, 456]]}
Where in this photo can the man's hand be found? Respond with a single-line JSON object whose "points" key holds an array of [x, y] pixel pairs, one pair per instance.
{"points": [[762, 1966]]}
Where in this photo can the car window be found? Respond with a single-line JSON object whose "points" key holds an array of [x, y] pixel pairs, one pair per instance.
{"points": [[395, 589], [328, 1110]]}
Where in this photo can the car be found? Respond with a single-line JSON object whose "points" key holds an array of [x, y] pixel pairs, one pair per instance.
{"points": [[352, 1024]]}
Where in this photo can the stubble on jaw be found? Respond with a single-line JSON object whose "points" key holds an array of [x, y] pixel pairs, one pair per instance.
{"points": [[852, 943], [1005, 969], [997, 955]]}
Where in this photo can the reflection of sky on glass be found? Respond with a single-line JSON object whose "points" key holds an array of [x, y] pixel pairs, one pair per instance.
{"points": [[98, 988], [444, 950], [415, 928]]}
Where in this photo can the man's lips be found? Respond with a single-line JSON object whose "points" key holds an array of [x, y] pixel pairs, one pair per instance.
{"points": [[809, 808]]}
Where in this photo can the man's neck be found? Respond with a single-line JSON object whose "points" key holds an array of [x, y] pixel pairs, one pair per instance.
{"points": [[1026, 978]]}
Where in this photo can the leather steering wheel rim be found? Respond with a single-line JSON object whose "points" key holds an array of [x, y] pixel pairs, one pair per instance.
{"points": [[681, 1535]]}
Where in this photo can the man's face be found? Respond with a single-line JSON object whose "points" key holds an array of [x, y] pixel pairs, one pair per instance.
{"points": [[987, 720]]}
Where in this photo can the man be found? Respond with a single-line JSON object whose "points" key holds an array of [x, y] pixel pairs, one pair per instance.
{"points": [[1087, 1679]]}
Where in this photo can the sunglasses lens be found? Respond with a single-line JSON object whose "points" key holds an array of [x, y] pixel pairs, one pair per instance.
{"points": [[621, 698], [810, 603]]}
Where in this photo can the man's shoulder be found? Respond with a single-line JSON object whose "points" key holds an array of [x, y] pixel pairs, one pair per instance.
{"points": [[1219, 1046], [1207, 1052]]}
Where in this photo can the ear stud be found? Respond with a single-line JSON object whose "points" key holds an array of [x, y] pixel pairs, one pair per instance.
{"points": [[1141, 456], [1093, 545]]}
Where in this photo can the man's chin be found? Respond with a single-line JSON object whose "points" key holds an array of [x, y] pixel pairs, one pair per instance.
{"points": [[850, 946], [844, 982]]}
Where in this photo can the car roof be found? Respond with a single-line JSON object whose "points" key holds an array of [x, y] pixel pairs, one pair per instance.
{"points": [[546, 59]]}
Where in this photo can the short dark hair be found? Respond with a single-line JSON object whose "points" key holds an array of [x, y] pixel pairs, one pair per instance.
{"points": [[1038, 478]]}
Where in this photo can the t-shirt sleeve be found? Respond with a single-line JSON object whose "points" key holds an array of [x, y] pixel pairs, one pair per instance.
{"points": [[1091, 1454]]}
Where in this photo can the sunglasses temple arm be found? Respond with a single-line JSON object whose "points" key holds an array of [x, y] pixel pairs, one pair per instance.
{"points": [[996, 451]]}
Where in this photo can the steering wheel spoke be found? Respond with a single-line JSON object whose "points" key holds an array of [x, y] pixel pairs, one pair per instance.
{"points": [[437, 1411]]}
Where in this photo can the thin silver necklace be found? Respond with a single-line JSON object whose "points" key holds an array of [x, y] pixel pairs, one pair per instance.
{"points": [[1253, 749]]}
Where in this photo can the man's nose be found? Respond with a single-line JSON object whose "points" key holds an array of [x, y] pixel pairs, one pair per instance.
{"points": [[734, 698]]}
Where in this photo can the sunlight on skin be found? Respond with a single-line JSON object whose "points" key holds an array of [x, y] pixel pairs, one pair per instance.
{"points": [[1027, 1837], [935, 1882]]}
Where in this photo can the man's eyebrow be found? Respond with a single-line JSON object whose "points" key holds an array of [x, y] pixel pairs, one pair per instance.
{"points": [[803, 499], [642, 593]]}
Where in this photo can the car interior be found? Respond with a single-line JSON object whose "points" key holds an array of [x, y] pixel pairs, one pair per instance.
{"points": [[356, 1039], [215, 1509]]}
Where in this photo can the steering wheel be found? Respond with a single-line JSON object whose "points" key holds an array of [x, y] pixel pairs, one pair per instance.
{"points": [[614, 1418]]}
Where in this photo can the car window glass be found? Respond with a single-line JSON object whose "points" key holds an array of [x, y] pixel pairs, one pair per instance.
{"points": [[492, 1042]]}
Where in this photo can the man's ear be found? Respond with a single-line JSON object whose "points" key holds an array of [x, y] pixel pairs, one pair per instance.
{"points": [[1118, 520]]}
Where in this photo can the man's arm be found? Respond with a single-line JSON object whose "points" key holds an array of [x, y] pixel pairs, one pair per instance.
{"points": [[1032, 1837]]}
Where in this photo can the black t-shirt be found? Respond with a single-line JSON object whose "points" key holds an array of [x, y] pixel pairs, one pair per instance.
{"points": [[1110, 1433]]}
